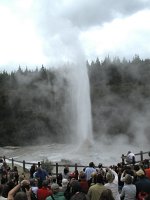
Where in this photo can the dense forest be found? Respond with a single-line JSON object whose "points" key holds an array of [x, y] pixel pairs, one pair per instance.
{"points": [[33, 103]]}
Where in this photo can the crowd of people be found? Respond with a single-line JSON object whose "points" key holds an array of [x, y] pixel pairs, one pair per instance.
{"points": [[128, 181]]}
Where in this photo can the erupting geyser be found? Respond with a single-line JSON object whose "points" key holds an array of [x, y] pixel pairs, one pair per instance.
{"points": [[80, 105]]}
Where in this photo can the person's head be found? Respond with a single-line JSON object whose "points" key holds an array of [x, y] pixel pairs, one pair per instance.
{"points": [[20, 196], [110, 177], [91, 164], [82, 175], [25, 185], [66, 170], [106, 195], [55, 188], [45, 183], [15, 168], [129, 152], [99, 178], [140, 173], [5, 164], [100, 165], [136, 167], [32, 182], [75, 186], [79, 196], [128, 179], [64, 182]]}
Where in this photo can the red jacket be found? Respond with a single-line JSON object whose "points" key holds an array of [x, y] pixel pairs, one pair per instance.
{"points": [[84, 186], [147, 172], [43, 193]]}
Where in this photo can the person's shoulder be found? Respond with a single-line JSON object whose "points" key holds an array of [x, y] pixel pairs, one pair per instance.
{"points": [[48, 198], [107, 184], [2, 198], [91, 187]]}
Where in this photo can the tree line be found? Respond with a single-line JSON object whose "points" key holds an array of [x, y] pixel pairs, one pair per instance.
{"points": [[33, 102]]}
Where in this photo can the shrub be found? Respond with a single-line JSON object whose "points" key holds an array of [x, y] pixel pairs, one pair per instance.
{"points": [[47, 165]]}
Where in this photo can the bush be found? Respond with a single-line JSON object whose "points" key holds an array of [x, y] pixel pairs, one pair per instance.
{"points": [[47, 165]]}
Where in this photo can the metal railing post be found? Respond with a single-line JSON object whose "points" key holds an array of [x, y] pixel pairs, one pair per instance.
{"points": [[56, 170], [141, 154], [39, 164], [12, 162], [24, 163], [123, 162]]}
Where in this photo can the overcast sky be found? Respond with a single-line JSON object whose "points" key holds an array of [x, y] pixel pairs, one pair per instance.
{"points": [[36, 32]]}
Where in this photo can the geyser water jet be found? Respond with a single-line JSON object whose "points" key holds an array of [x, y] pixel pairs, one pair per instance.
{"points": [[80, 105]]}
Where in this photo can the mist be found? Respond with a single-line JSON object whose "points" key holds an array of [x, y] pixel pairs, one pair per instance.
{"points": [[100, 110]]}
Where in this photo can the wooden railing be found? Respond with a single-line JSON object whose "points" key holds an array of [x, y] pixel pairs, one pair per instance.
{"points": [[56, 166], [141, 154]]}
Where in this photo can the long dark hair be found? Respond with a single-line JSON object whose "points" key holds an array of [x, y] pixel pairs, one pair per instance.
{"points": [[106, 195]]}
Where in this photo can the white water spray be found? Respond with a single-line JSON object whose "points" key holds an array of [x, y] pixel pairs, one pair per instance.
{"points": [[80, 105]]}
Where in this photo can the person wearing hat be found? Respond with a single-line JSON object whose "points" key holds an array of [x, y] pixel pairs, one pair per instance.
{"points": [[142, 184], [57, 195], [112, 183]]}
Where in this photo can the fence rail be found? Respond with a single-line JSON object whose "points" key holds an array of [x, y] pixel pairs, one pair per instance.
{"points": [[143, 156]]}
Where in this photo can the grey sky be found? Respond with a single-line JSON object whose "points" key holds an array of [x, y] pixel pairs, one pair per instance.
{"points": [[50, 32], [90, 13]]}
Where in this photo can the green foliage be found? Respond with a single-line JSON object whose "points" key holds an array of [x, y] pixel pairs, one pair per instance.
{"points": [[47, 165]]}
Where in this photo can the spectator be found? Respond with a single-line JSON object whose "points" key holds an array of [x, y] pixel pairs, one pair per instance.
{"points": [[95, 191], [13, 175], [44, 192], [130, 158], [65, 173], [147, 169], [21, 196], [59, 179], [129, 171], [64, 185], [57, 195], [16, 194], [100, 169], [107, 195], [34, 186], [76, 191], [41, 175], [7, 187], [32, 170], [142, 184], [112, 184], [83, 182], [1, 191], [4, 178], [89, 170], [129, 189]]}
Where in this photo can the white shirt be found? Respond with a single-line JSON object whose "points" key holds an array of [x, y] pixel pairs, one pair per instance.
{"points": [[88, 172], [129, 157], [114, 186]]}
